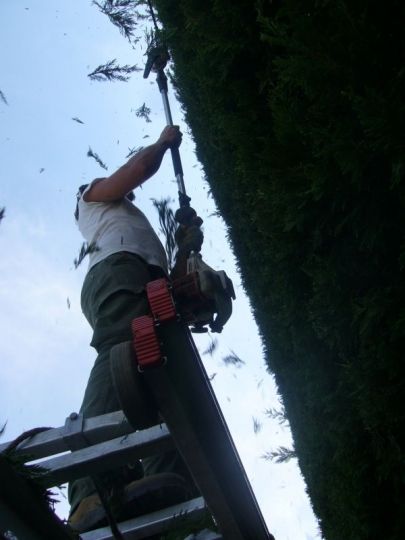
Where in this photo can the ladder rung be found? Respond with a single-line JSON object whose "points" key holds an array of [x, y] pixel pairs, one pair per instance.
{"points": [[56, 440], [107, 455], [155, 523]]}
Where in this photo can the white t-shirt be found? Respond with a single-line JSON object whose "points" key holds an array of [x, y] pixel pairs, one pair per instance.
{"points": [[119, 226]]}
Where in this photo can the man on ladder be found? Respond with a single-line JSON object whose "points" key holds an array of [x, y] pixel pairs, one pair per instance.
{"points": [[126, 255]]}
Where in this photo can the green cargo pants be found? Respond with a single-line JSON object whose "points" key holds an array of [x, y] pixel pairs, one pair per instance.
{"points": [[113, 294]]}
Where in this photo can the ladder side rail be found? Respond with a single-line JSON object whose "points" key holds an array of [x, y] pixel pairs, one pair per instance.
{"points": [[205, 429], [189, 446], [226, 461]]}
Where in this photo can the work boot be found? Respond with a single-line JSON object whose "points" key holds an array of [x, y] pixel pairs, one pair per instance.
{"points": [[90, 514], [138, 498], [154, 493]]}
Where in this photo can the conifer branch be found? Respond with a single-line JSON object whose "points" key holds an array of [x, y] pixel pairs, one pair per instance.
{"points": [[233, 359], [281, 455], [85, 250], [111, 71], [168, 228], [134, 150], [12, 445], [276, 414], [123, 14], [95, 156], [144, 112], [34, 476], [211, 347]]}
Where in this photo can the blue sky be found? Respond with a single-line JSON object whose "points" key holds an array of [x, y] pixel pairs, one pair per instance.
{"points": [[47, 49]]}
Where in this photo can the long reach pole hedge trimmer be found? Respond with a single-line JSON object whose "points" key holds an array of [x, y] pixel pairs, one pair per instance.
{"points": [[203, 295]]}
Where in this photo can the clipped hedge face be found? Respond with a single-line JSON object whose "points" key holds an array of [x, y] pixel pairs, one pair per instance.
{"points": [[297, 112]]}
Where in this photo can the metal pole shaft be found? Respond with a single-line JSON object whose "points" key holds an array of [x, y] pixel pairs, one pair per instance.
{"points": [[166, 106], [178, 169]]}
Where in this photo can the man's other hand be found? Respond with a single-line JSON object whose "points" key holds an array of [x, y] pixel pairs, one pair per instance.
{"points": [[189, 238]]}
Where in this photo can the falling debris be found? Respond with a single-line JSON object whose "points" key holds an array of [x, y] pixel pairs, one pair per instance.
{"points": [[144, 112], [257, 425], [211, 347], [133, 151], [3, 98], [212, 377], [281, 455], [233, 359], [112, 72], [68, 302], [85, 250], [92, 154], [122, 14], [77, 120], [145, 136], [168, 227], [2, 213], [41, 170]]}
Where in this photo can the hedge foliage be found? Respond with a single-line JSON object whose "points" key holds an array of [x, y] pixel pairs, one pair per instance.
{"points": [[297, 111]]}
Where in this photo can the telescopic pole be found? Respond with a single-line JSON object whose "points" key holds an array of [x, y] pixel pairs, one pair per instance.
{"points": [[161, 80], [157, 59]]}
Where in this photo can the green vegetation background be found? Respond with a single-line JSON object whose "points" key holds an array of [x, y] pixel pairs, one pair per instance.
{"points": [[297, 111]]}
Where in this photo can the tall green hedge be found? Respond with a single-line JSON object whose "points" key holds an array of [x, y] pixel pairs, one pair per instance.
{"points": [[297, 111]]}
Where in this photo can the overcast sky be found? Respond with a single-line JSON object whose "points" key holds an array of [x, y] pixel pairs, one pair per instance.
{"points": [[47, 48]]}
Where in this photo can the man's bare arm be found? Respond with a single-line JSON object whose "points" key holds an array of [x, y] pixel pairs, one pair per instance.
{"points": [[137, 169]]}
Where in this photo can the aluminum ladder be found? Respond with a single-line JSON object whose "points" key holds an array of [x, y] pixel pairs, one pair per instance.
{"points": [[193, 423]]}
